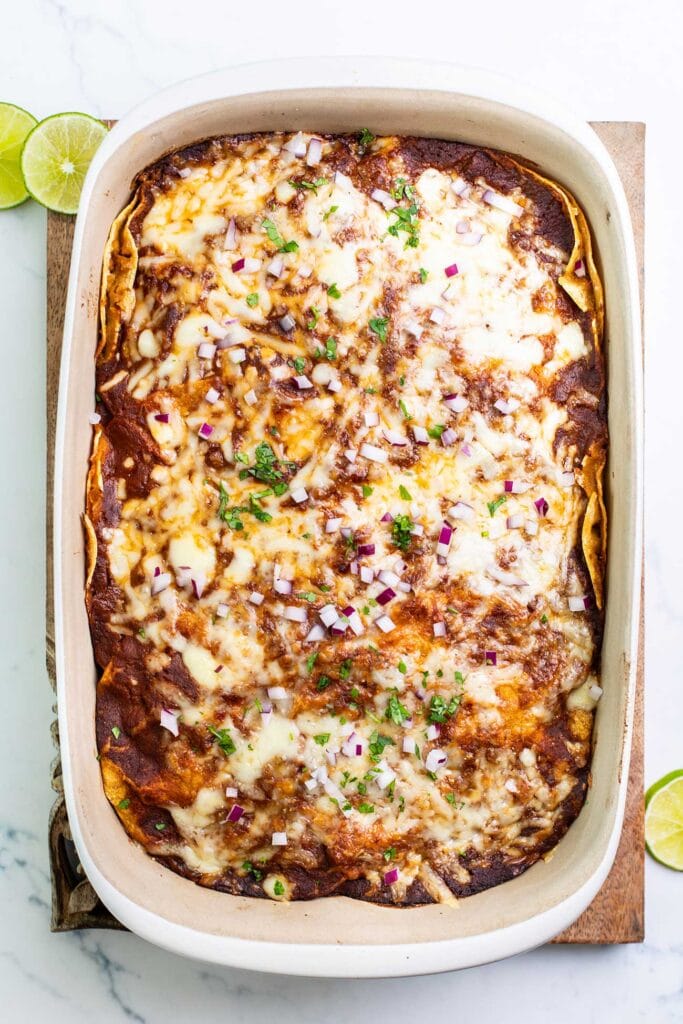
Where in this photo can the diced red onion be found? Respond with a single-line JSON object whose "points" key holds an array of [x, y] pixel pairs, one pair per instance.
{"points": [[353, 567], [302, 382], [433, 732], [383, 198], [198, 584], [366, 549], [385, 778], [235, 813], [541, 506], [206, 350], [490, 658], [516, 486], [579, 269], [421, 436], [409, 745], [311, 784], [445, 534], [334, 386], [439, 629], [437, 315], [231, 791], [531, 527], [206, 430], [162, 417], [299, 495], [212, 396], [417, 530], [218, 668], [315, 151], [332, 525], [296, 145], [256, 598], [384, 623], [315, 633], [287, 322], [456, 403], [230, 235], [276, 266], [386, 596], [160, 582], [281, 586], [471, 238], [506, 405], [451, 270], [169, 720], [448, 437], [222, 611], [579, 604], [277, 693], [461, 511], [251, 265], [355, 622], [462, 227], [389, 578], [238, 265], [503, 203], [460, 187], [373, 453], [338, 628], [394, 437], [279, 839], [435, 759], [346, 531], [304, 270], [595, 692], [387, 518], [466, 450], [567, 479], [414, 329], [251, 397], [237, 355], [366, 574], [351, 453], [295, 614], [404, 587], [343, 181], [515, 522], [94, 418], [328, 615], [390, 877], [371, 418]]}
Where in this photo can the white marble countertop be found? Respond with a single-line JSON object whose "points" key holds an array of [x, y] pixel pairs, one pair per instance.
{"points": [[612, 59]]}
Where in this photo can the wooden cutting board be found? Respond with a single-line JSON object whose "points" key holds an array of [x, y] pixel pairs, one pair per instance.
{"points": [[617, 913]]}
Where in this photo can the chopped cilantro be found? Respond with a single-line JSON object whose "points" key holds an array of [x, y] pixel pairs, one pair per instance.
{"points": [[404, 409], [329, 352], [142, 634], [124, 804], [424, 274], [311, 186], [160, 826], [406, 221], [299, 364], [310, 661], [312, 321], [252, 300], [401, 531], [402, 667], [345, 668], [366, 808], [332, 209], [439, 710], [266, 468], [389, 853], [544, 618], [436, 431], [377, 745], [362, 788], [405, 493], [115, 731], [322, 738], [367, 490], [251, 870], [401, 380], [277, 239], [493, 506], [323, 683], [306, 595], [396, 712], [401, 804], [379, 325], [278, 888], [224, 740], [354, 693], [333, 292], [365, 138]]}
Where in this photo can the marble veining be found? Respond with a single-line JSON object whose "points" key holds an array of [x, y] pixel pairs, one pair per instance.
{"points": [[611, 60]]}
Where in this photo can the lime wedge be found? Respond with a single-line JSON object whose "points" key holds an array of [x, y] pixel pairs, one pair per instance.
{"points": [[15, 124], [664, 820], [56, 156]]}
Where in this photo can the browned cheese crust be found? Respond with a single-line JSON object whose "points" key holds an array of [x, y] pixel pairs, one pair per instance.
{"points": [[345, 524]]}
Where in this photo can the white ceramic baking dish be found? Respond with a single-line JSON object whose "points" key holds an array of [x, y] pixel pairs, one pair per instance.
{"points": [[339, 936]]}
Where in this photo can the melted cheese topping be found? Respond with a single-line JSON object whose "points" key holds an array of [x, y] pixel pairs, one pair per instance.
{"points": [[368, 582]]}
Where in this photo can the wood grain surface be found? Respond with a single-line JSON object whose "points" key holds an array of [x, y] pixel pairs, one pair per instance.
{"points": [[616, 915]]}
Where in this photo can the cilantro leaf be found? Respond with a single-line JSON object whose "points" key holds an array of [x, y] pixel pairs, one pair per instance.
{"points": [[401, 531], [396, 712], [333, 292], [379, 325], [252, 300], [365, 138], [224, 740], [276, 238], [493, 506]]}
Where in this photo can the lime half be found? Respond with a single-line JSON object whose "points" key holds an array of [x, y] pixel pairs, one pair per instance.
{"points": [[664, 820], [15, 124], [56, 156]]}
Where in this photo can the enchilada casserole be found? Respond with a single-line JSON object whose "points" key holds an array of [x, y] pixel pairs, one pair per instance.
{"points": [[345, 521]]}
